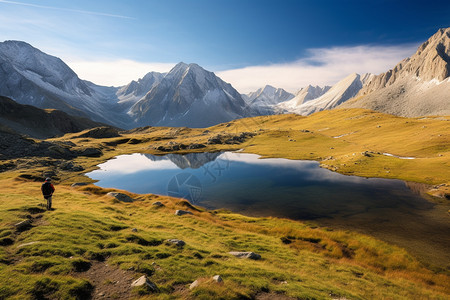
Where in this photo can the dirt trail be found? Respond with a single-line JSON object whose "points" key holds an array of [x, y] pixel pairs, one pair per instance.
{"points": [[109, 282]]}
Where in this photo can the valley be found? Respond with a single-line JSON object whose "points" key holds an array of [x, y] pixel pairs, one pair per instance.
{"points": [[300, 259]]}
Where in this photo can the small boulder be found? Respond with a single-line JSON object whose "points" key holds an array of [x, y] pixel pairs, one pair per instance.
{"points": [[217, 278], [249, 255], [176, 242], [134, 230], [144, 282], [120, 196], [194, 284], [157, 203], [180, 212]]}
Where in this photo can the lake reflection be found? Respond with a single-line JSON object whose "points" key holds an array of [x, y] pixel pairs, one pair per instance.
{"points": [[294, 189], [243, 182]]}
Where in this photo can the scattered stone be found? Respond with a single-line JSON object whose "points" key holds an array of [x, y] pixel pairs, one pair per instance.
{"points": [[120, 196], [217, 278], [79, 184], [23, 225], [180, 212], [194, 284], [247, 255], [158, 203], [367, 154], [134, 230], [176, 242], [143, 281]]}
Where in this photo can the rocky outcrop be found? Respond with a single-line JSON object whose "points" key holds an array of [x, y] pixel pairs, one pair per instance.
{"points": [[175, 242], [13, 145], [121, 197], [248, 255], [40, 123], [99, 133], [417, 86], [230, 139]]}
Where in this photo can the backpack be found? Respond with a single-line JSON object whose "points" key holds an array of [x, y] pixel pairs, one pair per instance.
{"points": [[47, 189]]}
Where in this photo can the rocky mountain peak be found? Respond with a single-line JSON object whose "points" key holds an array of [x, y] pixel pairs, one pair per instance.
{"points": [[430, 62]]}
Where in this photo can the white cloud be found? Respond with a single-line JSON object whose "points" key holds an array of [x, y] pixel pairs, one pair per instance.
{"points": [[115, 72], [324, 66]]}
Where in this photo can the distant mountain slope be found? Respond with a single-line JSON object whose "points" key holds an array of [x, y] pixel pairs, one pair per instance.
{"points": [[189, 96], [32, 77], [267, 95], [417, 86], [339, 93], [304, 95], [39, 123], [264, 100], [131, 93]]}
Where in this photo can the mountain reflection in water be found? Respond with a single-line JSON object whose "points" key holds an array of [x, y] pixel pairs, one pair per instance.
{"points": [[282, 188]]}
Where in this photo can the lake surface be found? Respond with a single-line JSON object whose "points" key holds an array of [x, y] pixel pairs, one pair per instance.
{"points": [[293, 189]]}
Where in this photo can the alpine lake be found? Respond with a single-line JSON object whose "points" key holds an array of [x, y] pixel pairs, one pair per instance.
{"points": [[391, 210]]}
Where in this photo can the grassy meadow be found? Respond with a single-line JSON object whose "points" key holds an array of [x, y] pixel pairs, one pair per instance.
{"points": [[89, 230]]}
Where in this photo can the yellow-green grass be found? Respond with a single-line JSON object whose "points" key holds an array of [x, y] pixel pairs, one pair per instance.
{"points": [[298, 260]]}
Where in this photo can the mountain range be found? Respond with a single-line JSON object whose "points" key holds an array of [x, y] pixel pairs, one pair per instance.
{"points": [[191, 96]]}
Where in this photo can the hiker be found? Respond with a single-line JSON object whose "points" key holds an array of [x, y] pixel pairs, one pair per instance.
{"points": [[47, 189]]}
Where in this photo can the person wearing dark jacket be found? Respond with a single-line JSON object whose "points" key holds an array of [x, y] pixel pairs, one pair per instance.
{"points": [[48, 189]]}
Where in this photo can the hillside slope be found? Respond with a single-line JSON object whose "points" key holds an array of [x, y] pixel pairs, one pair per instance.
{"points": [[39, 123]]}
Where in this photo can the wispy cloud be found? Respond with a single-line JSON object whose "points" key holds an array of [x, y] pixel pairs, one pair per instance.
{"points": [[86, 12], [115, 72], [324, 66]]}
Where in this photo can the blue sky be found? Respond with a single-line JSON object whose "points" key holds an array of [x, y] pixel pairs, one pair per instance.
{"points": [[247, 42]]}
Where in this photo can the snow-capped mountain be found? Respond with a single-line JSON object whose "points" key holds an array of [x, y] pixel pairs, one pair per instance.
{"points": [[30, 76], [186, 96], [267, 95], [304, 95], [131, 93], [189, 96], [417, 86], [339, 93], [263, 100]]}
